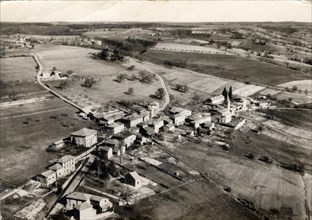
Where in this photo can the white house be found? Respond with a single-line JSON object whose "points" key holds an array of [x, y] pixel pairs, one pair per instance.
{"points": [[115, 128], [85, 137], [46, 178], [216, 100], [133, 179], [133, 120], [156, 124], [126, 138], [200, 118], [178, 115], [105, 152]]}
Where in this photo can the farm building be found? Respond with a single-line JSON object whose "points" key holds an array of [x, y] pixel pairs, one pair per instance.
{"points": [[57, 145], [169, 127], [216, 100], [126, 138], [198, 119], [141, 139], [133, 179], [156, 124], [147, 132], [115, 128], [85, 137], [222, 116], [68, 163], [117, 150], [132, 120], [178, 115], [153, 107], [105, 152], [111, 143], [86, 206], [111, 118], [46, 178]]}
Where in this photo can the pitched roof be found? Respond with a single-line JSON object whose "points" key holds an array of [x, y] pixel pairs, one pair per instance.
{"points": [[106, 149], [84, 132], [84, 206], [77, 196], [96, 198], [111, 142], [65, 158], [114, 125], [218, 97], [47, 173], [134, 175], [56, 167]]}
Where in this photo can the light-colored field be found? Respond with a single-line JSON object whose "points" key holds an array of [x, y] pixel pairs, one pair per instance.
{"points": [[189, 48], [247, 90], [105, 89], [202, 82], [18, 74], [18, 68], [269, 92], [301, 84], [296, 98]]}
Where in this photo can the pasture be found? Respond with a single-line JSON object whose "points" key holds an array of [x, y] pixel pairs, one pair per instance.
{"points": [[301, 85], [18, 74], [105, 89], [198, 201], [202, 83], [27, 130], [268, 187], [229, 67]]}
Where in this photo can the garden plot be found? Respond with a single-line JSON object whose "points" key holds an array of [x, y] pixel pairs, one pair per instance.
{"points": [[30, 212], [247, 90], [300, 84], [188, 48]]}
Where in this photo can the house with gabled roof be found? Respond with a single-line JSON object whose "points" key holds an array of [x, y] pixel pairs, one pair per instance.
{"points": [[46, 178], [133, 179], [85, 137], [115, 128]]}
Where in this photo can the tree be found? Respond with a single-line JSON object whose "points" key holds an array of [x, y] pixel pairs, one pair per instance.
{"points": [[54, 69], [182, 88], [289, 99], [69, 72], [104, 54], [295, 88], [224, 93], [231, 94], [160, 93], [121, 77], [306, 92], [88, 83], [130, 91]]}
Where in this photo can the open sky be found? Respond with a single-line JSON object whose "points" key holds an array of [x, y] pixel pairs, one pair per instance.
{"points": [[153, 11]]}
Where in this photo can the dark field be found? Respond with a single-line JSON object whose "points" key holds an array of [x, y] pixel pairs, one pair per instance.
{"points": [[231, 67], [27, 130], [197, 201], [267, 186], [292, 117]]}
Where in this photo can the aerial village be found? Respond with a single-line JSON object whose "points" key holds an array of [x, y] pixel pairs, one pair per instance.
{"points": [[121, 133]]}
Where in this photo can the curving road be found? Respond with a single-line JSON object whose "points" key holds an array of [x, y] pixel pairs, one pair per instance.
{"points": [[167, 97], [52, 91]]}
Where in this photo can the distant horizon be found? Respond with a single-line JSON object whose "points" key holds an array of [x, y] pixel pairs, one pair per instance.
{"points": [[228, 11]]}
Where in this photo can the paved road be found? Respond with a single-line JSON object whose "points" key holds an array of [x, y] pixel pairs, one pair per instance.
{"points": [[52, 91], [167, 97]]}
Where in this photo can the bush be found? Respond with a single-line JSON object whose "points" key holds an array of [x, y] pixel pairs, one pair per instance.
{"points": [[266, 159]]}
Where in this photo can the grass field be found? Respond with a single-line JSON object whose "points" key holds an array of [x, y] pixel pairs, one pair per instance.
{"points": [[19, 74], [268, 187], [197, 201], [230, 67], [27, 130], [105, 89], [301, 85], [292, 117]]}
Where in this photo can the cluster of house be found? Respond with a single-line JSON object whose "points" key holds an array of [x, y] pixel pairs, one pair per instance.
{"points": [[63, 167], [89, 42], [83, 206]]}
